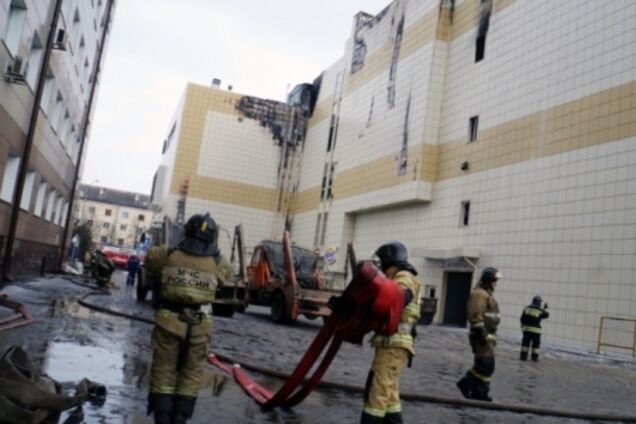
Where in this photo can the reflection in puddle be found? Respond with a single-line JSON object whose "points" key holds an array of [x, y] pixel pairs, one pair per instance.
{"points": [[70, 362]]}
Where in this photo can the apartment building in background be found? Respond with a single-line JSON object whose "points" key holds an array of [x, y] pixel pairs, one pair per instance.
{"points": [[48, 154], [478, 133], [116, 218]]}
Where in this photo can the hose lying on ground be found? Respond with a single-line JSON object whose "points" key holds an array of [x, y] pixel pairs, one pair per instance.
{"points": [[522, 409]]}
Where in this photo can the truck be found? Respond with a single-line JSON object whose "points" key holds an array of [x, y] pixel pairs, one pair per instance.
{"points": [[230, 294], [289, 280]]}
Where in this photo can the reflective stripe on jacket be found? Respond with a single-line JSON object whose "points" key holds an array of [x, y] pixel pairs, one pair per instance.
{"points": [[189, 279], [410, 315], [531, 319]]}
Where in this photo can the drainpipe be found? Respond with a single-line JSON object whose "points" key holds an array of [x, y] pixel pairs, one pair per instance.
{"points": [[24, 166], [85, 123]]}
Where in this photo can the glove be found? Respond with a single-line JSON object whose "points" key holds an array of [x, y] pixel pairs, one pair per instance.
{"points": [[545, 306], [480, 331], [340, 307]]}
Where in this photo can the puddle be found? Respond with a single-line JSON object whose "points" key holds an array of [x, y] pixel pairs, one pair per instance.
{"points": [[70, 362]]}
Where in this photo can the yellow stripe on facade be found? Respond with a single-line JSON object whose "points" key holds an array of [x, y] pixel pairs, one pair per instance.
{"points": [[599, 118]]}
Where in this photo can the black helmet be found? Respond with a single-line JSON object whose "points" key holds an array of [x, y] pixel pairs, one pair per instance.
{"points": [[537, 300], [394, 254], [201, 227], [489, 275], [200, 235]]}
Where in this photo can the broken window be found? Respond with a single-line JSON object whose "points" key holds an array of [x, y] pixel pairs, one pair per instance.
{"points": [[472, 128], [104, 239], [106, 225], [120, 242], [108, 212], [332, 170], [317, 232], [324, 182], [482, 30], [324, 229], [465, 213]]}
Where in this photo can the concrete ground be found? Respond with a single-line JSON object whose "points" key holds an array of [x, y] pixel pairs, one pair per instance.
{"points": [[70, 342]]}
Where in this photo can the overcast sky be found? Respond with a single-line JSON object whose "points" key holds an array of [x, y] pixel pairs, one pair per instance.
{"points": [[157, 46]]}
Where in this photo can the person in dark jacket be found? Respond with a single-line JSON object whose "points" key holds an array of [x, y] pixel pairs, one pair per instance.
{"points": [[132, 265], [531, 326]]}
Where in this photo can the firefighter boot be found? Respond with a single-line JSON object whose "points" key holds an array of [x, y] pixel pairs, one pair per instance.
{"points": [[393, 418], [183, 409], [371, 419], [523, 356], [161, 406], [467, 386], [481, 392]]}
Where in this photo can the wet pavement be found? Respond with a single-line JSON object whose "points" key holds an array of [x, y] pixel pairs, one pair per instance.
{"points": [[70, 342]]}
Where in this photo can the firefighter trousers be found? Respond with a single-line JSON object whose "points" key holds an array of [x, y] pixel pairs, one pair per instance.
{"points": [[531, 341], [382, 393], [177, 368]]}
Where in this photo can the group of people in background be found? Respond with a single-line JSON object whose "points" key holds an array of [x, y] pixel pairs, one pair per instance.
{"points": [[100, 267]]}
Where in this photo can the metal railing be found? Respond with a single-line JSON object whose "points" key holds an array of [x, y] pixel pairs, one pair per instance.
{"points": [[600, 335]]}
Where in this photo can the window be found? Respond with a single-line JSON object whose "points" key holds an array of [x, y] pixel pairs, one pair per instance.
{"points": [[47, 93], [106, 225], [91, 209], [473, 123], [58, 109], [465, 213], [122, 227], [317, 231], [480, 48], [142, 217], [64, 215], [124, 215], [482, 30], [120, 242], [58, 210], [89, 222], [10, 178], [108, 212], [50, 204], [324, 229], [27, 192], [15, 25], [104, 239], [35, 60], [39, 200]]}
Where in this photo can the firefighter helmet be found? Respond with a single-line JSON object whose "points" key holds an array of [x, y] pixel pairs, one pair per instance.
{"points": [[200, 236], [394, 254], [536, 301], [489, 275]]}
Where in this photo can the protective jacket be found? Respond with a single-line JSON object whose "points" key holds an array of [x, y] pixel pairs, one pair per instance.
{"points": [[189, 280], [531, 318], [404, 337], [483, 311]]}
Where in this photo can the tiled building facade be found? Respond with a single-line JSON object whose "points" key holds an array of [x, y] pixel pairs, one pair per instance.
{"points": [[495, 133], [62, 116], [116, 218]]}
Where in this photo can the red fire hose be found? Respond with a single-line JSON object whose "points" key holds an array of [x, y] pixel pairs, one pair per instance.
{"points": [[290, 394]]}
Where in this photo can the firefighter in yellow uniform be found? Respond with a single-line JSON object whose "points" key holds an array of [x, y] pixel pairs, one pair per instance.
{"points": [[483, 316], [180, 339], [382, 394]]}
